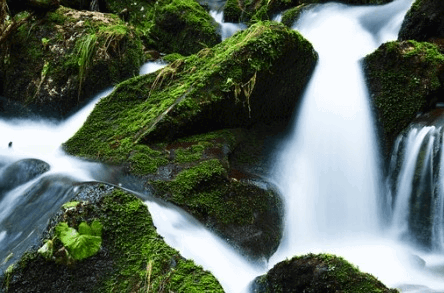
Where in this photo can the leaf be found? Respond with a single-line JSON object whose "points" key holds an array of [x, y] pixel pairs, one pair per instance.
{"points": [[85, 229], [82, 244]]}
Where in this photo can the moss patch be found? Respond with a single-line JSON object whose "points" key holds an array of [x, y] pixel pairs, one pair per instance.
{"points": [[318, 273], [133, 257], [403, 79], [227, 86]]}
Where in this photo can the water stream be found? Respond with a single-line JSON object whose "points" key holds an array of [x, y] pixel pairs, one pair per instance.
{"points": [[327, 169]]}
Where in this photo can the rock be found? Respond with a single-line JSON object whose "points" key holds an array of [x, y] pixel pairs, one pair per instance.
{"points": [[246, 80], [404, 79], [39, 6], [53, 64], [317, 273], [132, 257], [20, 172], [424, 22], [183, 27]]}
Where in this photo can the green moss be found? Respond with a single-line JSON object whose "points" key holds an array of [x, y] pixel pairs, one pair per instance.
{"points": [[144, 257], [183, 26], [290, 16], [232, 11], [319, 273], [155, 107], [133, 258], [403, 78]]}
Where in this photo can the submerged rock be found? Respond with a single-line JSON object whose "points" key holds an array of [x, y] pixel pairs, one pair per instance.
{"points": [[132, 257], [404, 79], [424, 22], [317, 273], [20, 172], [51, 64]]}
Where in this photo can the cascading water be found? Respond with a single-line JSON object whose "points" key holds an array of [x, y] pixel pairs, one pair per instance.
{"points": [[227, 29], [415, 187], [330, 181], [328, 170]]}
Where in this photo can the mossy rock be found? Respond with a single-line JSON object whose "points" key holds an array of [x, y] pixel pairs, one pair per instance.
{"points": [[317, 273], [424, 22], [255, 76], [132, 258], [291, 16], [53, 64], [404, 79], [183, 26]]}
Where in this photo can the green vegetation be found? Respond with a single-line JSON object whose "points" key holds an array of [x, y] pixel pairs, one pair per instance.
{"points": [[403, 78], [133, 257], [86, 47], [184, 97], [318, 273]]}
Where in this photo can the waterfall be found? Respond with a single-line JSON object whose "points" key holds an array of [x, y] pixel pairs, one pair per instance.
{"points": [[415, 186], [227, 29], [328, 168]]}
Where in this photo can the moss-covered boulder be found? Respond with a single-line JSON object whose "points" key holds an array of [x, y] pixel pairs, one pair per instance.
{"points": [[255, 76], [52, 64], [317, 273], [404, 79], [424, 22], [132, 256], [182, 26], [174, 128]]}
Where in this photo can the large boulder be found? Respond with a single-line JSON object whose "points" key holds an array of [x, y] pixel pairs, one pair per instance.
{"points": [[180, 126], [255, 76], [424, 22], [54, 63], [404, 79], [132, 257], [317, 273]]}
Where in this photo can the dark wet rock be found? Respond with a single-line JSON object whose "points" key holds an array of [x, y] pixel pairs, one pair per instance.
{"points": [[317, 273], [20, 172], [132, 257], [424, 22], [404, 79], [39, 6]]}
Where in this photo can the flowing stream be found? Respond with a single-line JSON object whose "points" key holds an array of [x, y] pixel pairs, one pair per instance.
{"points": [[327, 169]]}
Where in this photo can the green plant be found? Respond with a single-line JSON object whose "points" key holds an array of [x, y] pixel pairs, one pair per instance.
{"points": [[82, 243], [85, 51], [78, 244]]}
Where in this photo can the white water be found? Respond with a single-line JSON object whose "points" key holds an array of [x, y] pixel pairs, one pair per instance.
{"points": [[327, 180], [328, 170], [227, 28]]}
